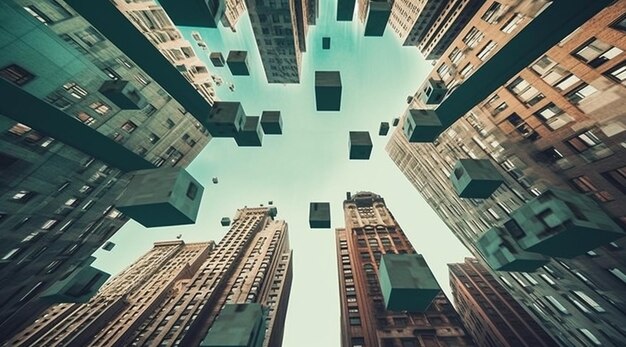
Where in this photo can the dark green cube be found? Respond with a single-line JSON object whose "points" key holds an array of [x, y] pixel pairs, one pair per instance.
{"points": [[360, 144], [238, 63], [406, 282], [250, 134], [319, 215], [377, 16], [475, 178], [272, 122], [238, 325], [328, 90]]}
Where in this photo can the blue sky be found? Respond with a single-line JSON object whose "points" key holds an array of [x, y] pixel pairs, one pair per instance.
{"points": [[309, 162]]}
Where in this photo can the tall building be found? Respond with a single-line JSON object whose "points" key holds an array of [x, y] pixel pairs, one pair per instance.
{"points": [[106, 116], [411, 19], [123, 303], [372, 232], [557, 123], [489, 312], [173, 294]]}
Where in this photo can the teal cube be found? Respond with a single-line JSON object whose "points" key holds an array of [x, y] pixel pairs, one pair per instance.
{"points": [[80, 286], [123, 94], [377, 17], [328, 90], [561, 223], [432, 92], [225, 119], [161, 197], [407, 283], [225, 221], [250, 133], [237, 62], [238, 325], [475, 178], [421, 125], [502, 253]]}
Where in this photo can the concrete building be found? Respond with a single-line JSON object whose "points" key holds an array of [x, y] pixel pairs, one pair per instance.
{"points": [[61, 174], [174, 294], [558, 123], [370, 233], [152, 21], [490, 313]]}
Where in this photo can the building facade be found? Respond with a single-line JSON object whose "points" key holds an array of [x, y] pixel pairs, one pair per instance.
{"points": [[61, 174], [558, 123], [371, 231], [489, 312], [173, 294]]}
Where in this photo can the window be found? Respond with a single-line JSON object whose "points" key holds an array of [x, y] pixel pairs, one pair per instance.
{"points": [[484, 53], [617, 178], [585, 185], [494, 12], [444, 72], [75, 90], [467, 70], [456, 55], [589, 301], [567, 82], [553, 116], [11, 254], [580, 93], [90, 36], [111, 73], [40, 16], [619, 274], [587, 334], [595, 52], [153, 138], [526, 93], [124, 62], [85, 118], [355, 321], [358, 342], [72, 202], [100, 107], [22, 196], [620, 23], [522, 127], [584, 141], [192, 191], [49, 224], [170, 123], [473, 37], [556, 304], [16, 74], [512, 23], [129, 126], [543, 65], [618, 73]]}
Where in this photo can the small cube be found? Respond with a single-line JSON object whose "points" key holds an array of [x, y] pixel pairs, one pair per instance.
{"points": [[217, 59], [273, 211], [328, 90], [502, 253], [215, 180], [360, 145], [325, 42], [225, 221], [395, 122], [377, 17], [475, 178], [108, 246], [432, 92], [161, 197], [238, 325], [250, 134], [123, 94], [272, 122], [319, 215], [80, 286], [225, 119], [384, 129], [238, 63], [422, 125], [406, 282]]}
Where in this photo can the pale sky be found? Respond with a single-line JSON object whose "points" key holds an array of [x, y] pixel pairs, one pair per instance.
{"points": [[309, 162]]}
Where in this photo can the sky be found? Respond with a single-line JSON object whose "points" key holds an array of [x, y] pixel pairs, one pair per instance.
{"points": [[309, 162]]}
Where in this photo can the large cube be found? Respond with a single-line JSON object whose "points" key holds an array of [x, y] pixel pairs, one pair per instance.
{"points": [[432, 92], [225, 119], [377, 17], [272, 122], [328, 90], [406, 282], [345, 9], [384, 129], [360, 144], [421, 125], [475, 178], [502, 253], [225, 221], [238, 325], [325, 42], [319, 215], [238, 63], [217, 59], [123, 94], [196, 13], [80, 286], [161, 197], [561, 223], [250, 134]]}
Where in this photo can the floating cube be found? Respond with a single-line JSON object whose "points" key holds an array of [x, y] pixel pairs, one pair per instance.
{"points": [[432, 92], [161, 197], [502, 253], [238, 63], [406, 282], [328, 90], [270, 202], [272, 122], [345, 10], [384, 129], [215, 180], [421, 125], [108, 246], [319, 215], [475, 178], [123, 94], [395, 122], [348, 196], [377, 17], [238, 325], [273, 212], [360, 145], [225, 221], [325, 42], [250, 134], [217, 59], [225, 119], [561, 223], [80, 286], [204, 14]]}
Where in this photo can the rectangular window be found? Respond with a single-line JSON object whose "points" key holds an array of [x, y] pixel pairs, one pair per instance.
{"points": [[620, 23], [444, 72], [75, 90], [90, 36], [16, 74], [553, 116], [618, 73], [467, 70], [169, 123], [596, 52], [580, 93], [556, 304], [473, 37], [100, 107], [456, 55], [584, 141], [486, 51], [49, 224], [23, 196], [85, 118], [617, 178], [40, 16], [153, 138], [512, 23], [494, 12], [567, 82], [129, 126], [73, 43]]}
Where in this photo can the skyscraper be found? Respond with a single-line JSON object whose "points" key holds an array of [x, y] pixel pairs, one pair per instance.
{"points": [[106, 115], [490, 313], [174, 293], [556, 124], [371, 232]]}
